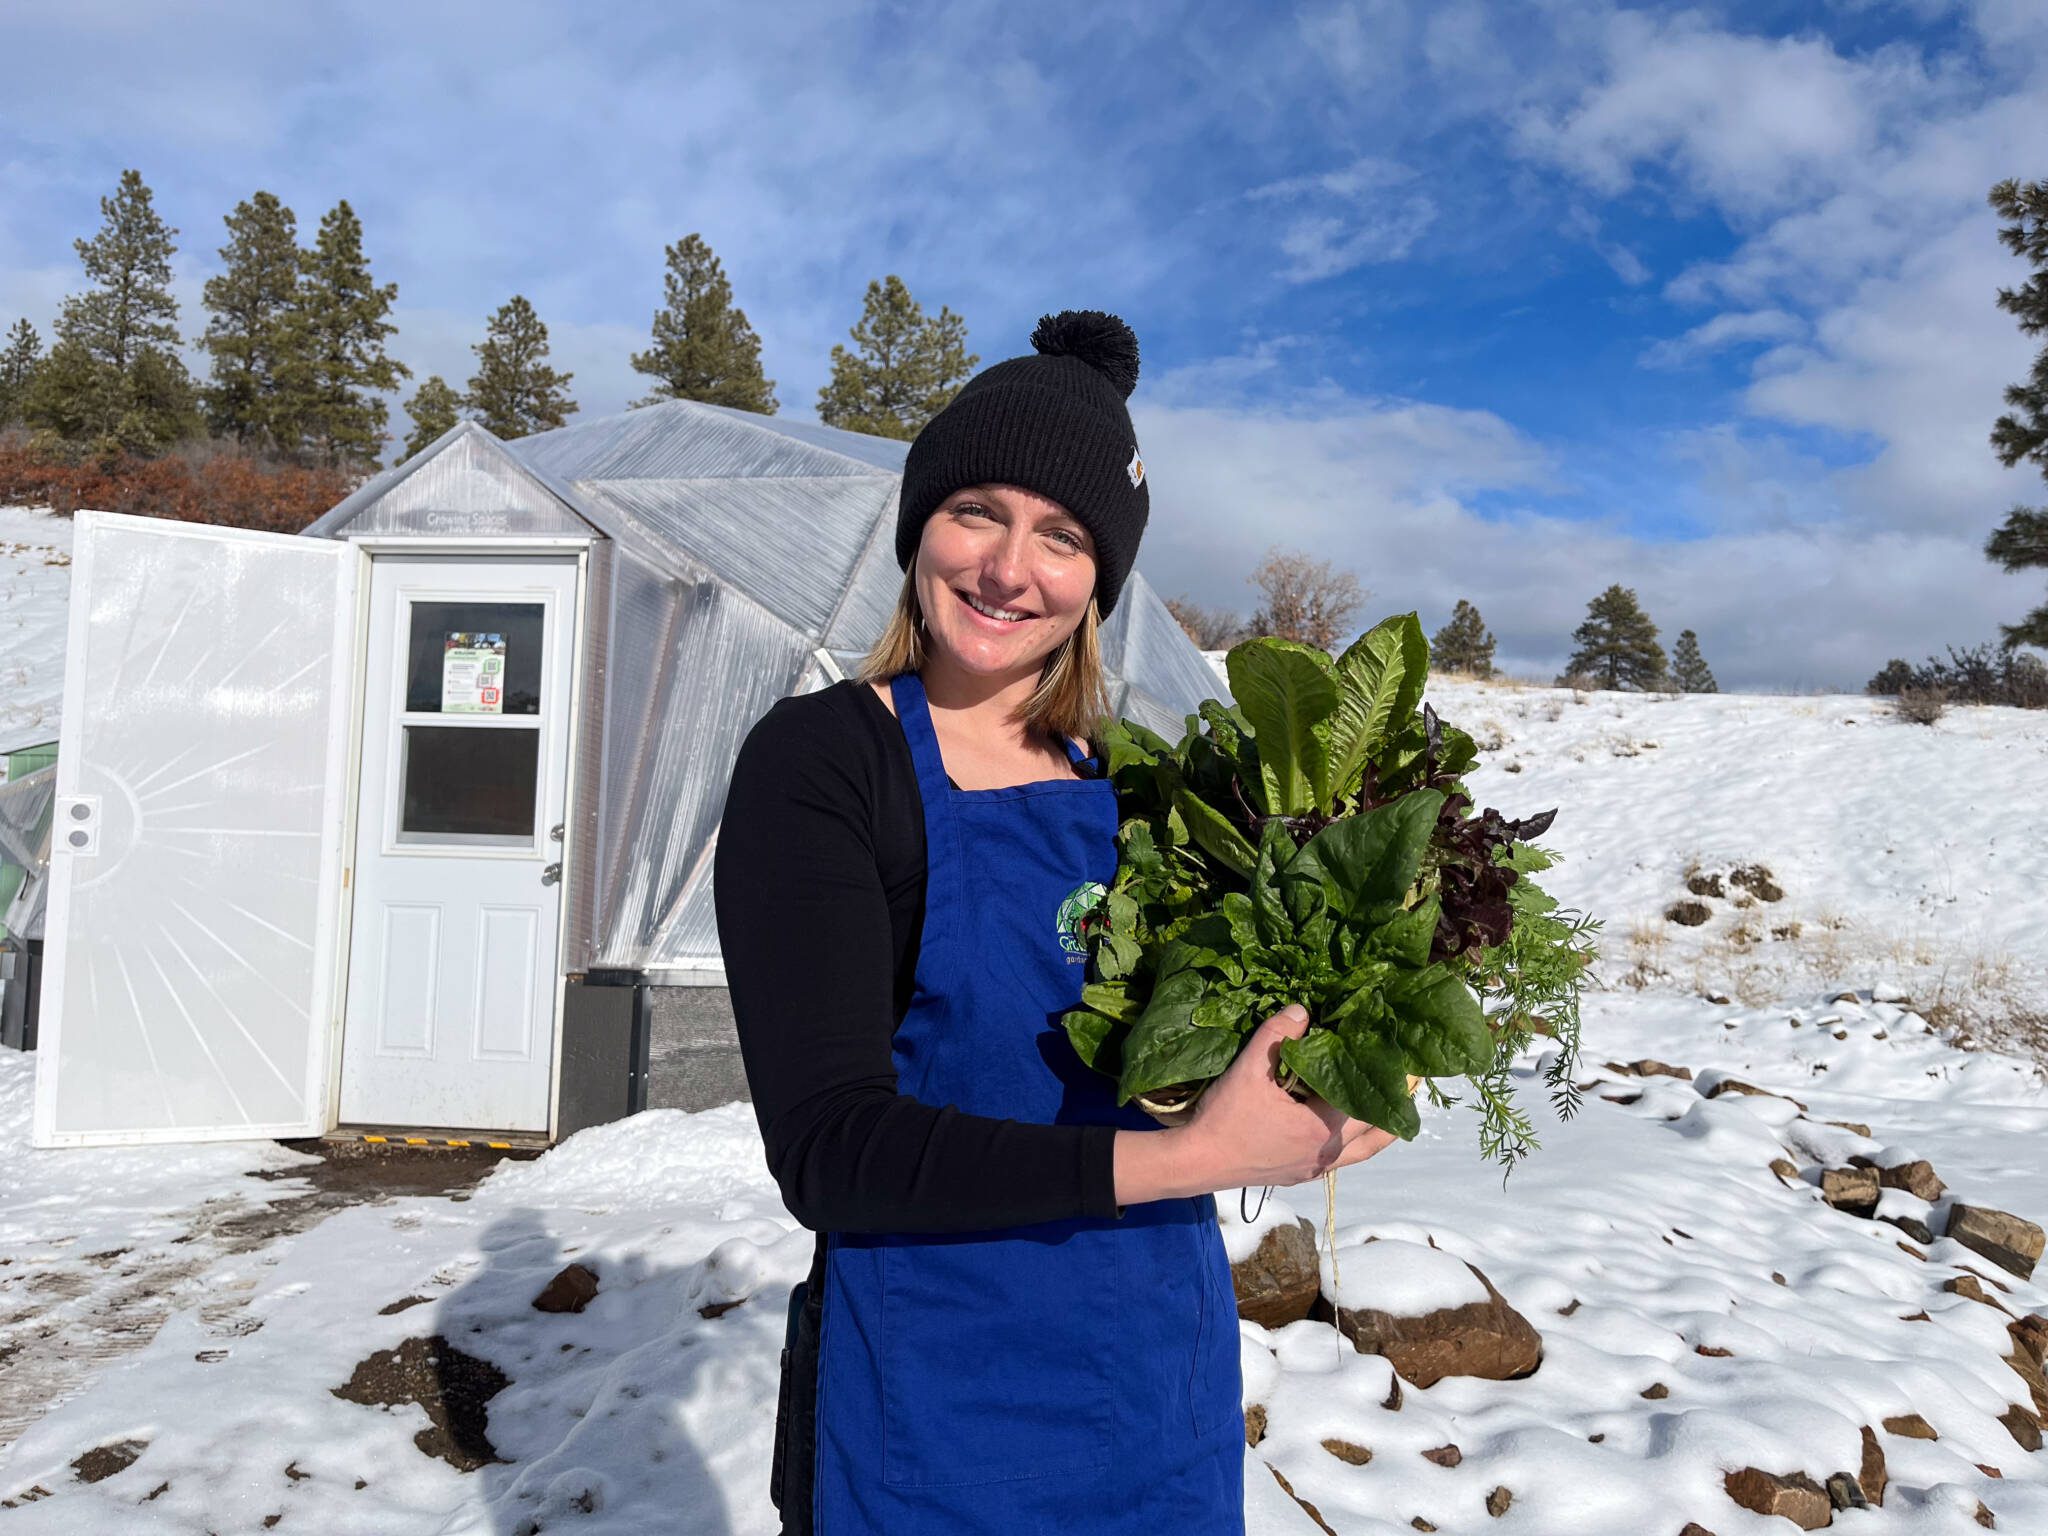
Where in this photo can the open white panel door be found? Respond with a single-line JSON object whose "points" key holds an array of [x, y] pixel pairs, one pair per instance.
{"points": [[188, 983]]}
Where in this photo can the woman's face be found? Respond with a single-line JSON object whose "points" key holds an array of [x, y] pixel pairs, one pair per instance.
{"points": [[1007, 549]]}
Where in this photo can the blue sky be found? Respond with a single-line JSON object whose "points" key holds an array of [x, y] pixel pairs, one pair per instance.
{"points": [[1495, 301]]}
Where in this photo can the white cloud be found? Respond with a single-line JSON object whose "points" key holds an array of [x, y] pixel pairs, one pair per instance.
{"points": [[1364, 212], [1728, 329]]}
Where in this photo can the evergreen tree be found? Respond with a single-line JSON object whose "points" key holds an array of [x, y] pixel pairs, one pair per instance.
{"points": [[905, 368], [704, 349], [514, 391], [434, 410], [1688, 668], [2021, 543], [17, 371], [256, 336], [1617, 643], [122, 384], [343, 314], [1465, 644]]}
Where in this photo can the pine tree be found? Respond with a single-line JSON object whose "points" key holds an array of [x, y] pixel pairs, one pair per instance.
{"points": [[1617, 643], [704, 349], [434, 410], [2021, 543], [514, 391], [1465, 644], [905, 368], [122, 383], [344, 312], [1688, 668], [256, 336], [17, 371]]}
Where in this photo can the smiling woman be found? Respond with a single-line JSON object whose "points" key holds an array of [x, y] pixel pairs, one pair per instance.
{"points": [[1019, 1300]]}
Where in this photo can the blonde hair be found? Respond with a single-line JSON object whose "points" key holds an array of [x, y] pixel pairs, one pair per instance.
{"points": [[1071, 699]]}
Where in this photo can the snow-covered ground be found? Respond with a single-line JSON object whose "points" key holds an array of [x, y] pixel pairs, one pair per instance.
{"points": [[1649, 1242], [35, 581]]}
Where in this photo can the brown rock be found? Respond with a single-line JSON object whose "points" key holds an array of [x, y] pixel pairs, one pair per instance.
{"points": [[1991, 1280], [1916, 1178], [1421, 1524], [1277, 1285], [2029, 1334], [1392, 1401], [1917, 1317], [1444, 1455], [1791, 1495], [1569, 1308], [1985, 1518], [1844, 1492], [1488, 1339], [1786, 1170], [1497, 1502], [717, 1308], [1737, 1085], [1756, 880], [1596, 1439], [1650, 1067], [1621, 1098], [1713, 1351], [1255, 1424], [1968, 1285], [1288, 1489], [1344, 1450], [1779, 1278], [1872, 1477], [1988, 1470], [1654, 1390], [1913, 1227], [1911, 1426], [570, 1291], [2021, 1423], [2011, 1242], [1909, 1248], [1694, 1528], [1853, 1190], [1850, 1125]]}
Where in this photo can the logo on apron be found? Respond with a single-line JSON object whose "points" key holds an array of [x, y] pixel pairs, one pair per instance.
{"points": [[1072, 917]]}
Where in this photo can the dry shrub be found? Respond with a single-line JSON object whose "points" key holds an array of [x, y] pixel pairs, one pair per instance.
{"points": [[1922, 706], [225, 487]]}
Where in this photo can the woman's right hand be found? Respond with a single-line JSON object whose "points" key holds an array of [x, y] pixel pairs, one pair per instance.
{"points": [[1247, 1131]]}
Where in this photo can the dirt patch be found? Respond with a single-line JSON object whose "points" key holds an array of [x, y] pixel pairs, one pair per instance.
{"points": [[452, 1387], [103, 1461], [1690, 913]]}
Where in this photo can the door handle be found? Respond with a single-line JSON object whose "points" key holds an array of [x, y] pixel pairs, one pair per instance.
{"points": [[551, 874]]}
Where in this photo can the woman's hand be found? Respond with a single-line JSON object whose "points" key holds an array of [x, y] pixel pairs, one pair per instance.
{"points": [[1247, 1130]]}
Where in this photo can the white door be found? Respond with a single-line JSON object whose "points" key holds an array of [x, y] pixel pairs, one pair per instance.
{"points": [[195, 868], [452, 943]]}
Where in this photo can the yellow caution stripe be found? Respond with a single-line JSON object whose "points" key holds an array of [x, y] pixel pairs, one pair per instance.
{"points": [[433, 1141]]}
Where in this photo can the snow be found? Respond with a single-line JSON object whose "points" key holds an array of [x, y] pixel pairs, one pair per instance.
{"points": [[35, 583], [1647, 1228]]}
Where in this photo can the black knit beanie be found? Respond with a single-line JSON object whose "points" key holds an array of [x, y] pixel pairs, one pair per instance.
{"points": [[1053, 422]]}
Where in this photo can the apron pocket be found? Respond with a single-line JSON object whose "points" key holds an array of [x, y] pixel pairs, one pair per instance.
{"points": [[998, 1356], [1218, 1386]]}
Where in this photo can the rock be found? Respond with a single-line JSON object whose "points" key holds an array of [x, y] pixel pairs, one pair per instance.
{"points": [[1780, 1279], [1344, 1450], [1690, 913], [570, 1291], [1621, 1098], [1421, 1524], [1786, 1170], [1444, 1455], [1915, 1178], [1649, 1067], [1497, 1502], [1988, 1470], [2011, 1242], [1790, 1495], [1911, 1426], [1720, 999], [1852, 1125], [1872, 1477], [1756, 880], [1850, 1189], [1288, 1488], [1392, 1401], [1694, 1528], [1846, 997], [1913, 1227], [1655, 1390], [1844, 1492], [1488, 1339], [1277, 1285], [2022, 1424], [1255, 1424], [2029, 1343], [1712, 1351], [1909, 1248], [1968, 1285], [1985, 1518], [1737, 1085]]}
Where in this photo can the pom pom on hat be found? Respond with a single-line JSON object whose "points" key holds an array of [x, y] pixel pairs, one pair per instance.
{"points": [[1101, 341]]}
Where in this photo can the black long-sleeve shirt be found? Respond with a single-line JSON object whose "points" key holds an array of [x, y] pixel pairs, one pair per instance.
{"points": [[819, 880]]}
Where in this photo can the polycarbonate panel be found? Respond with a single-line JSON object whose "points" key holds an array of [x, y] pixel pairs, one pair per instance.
{"points": [[871, 595], [25, 816], [730, 660], [688, 440], [465, 483], [788, 544], [1158, 656], [196, 860]]}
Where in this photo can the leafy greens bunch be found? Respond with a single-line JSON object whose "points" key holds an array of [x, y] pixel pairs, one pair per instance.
{"points": [[1315, 844]]}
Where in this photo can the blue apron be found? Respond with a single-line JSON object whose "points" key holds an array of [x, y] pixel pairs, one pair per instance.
{"points": [[1078, 1376]]}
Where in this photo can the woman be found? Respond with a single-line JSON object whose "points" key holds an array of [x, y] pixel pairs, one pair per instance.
{"points": [[1022, 1309]]}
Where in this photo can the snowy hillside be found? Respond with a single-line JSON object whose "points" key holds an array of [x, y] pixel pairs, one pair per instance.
{"points": [[35, 580], [1702, 1307]]}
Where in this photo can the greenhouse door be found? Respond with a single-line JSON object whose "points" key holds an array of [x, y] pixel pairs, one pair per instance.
{"points": [[195, 867], [452, 979]]}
